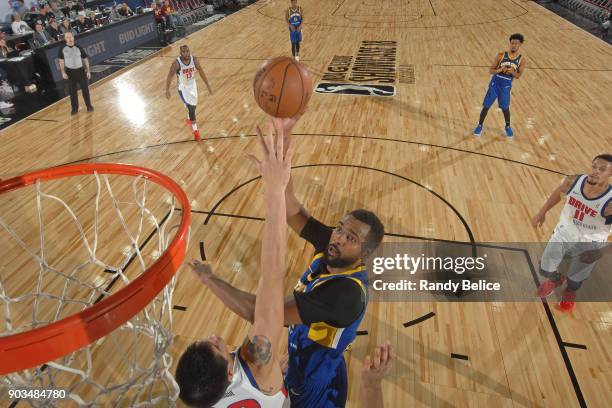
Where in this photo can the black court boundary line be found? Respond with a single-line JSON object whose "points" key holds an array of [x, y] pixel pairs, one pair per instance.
{"points": [[459, 356], [333, 13], [400, 23], [362, 333], [557, 334], [411, 142], [433, 9], [202, 253], [41, 120], [435, 194], [179, 307], [225, 58], [419, 319], [534, 68], [575, 345]]}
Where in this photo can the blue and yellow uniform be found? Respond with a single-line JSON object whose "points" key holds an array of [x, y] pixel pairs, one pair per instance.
{"points": [[501, 84], [317, 375], [294, 16]]}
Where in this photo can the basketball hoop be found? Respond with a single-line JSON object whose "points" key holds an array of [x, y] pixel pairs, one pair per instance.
{"points": [[57, 346]]}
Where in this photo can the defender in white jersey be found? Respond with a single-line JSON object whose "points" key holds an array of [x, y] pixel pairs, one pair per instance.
{"points": [[184, 68], [207, 373], [582, 232]]}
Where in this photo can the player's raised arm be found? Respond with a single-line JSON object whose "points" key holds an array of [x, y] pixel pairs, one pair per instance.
{"points": [[173, 68], [297, 215], [260, 348], [553, 199]]}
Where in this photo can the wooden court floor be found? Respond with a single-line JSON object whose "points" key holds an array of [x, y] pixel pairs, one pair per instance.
{"points": [[410, 157]]}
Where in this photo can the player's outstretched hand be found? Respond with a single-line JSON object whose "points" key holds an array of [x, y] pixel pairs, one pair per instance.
{"points": [[275, 167], [202, 270], [287, 124], [377, 367], [538, 220]]}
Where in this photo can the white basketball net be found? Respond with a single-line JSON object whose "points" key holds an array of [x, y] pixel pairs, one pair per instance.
{"points": [[131, 365]]}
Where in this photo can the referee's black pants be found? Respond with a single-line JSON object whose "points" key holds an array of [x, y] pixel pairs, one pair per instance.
{"points": [[78, 77]]}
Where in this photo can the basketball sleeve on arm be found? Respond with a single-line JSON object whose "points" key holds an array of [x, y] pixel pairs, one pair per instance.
{"points": [[317, 233], [338, 302]]}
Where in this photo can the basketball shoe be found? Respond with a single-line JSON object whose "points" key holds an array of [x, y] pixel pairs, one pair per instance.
{"points": [[548, 287]]}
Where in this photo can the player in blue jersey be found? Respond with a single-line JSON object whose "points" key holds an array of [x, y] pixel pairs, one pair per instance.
{"points": [[327, 304], [507, 66], [295, 18]]}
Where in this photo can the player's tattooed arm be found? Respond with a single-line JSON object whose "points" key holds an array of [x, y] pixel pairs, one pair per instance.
{"points": [[257, 351]]}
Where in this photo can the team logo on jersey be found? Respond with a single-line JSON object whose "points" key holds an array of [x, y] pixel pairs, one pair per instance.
{"points": [[371, 72], [581, 209]]}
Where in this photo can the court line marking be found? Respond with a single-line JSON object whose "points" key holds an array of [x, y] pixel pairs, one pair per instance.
{"points": [[419, 319], [190, 140]]}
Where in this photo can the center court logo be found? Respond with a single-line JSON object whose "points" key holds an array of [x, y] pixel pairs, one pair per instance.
{"points": [[372, 72]]}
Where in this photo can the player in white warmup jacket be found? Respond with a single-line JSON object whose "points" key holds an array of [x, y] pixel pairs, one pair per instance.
{"points": [[582, 232]]}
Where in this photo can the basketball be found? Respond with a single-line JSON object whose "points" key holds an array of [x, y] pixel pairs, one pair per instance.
{"points": [[282, 87]]}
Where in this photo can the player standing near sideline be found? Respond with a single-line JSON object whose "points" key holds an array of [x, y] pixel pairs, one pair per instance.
{"points": [[582, 232], [507, 66], [184, 68], [295, 18]]}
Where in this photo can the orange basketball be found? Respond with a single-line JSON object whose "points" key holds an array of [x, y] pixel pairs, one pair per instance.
{"points": [[282, 87]]}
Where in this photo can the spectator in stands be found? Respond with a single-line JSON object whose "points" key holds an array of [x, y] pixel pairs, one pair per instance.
{"points": [[20, 8], [124, 11], [161, 20], [114, 14], [19, 26], [57, 12], [82, 24], [169, 14], [70, 10], [40, 38], [53, 30], [94, 20], [5, 50], [161, 23], [44, 14], [65, 27]]}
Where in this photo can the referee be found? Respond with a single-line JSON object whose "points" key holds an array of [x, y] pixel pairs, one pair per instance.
{"points": [[74, 65]]}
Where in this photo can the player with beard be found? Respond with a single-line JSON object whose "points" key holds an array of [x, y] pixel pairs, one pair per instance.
{"points": [[582, 232], [327, 304]]}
